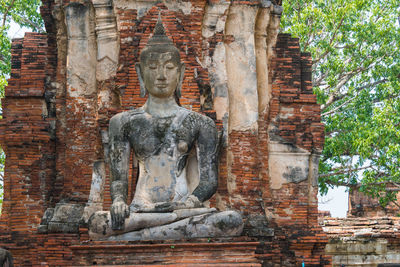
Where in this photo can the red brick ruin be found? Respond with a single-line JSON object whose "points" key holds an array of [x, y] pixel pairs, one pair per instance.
{"points": [[53, 130]]}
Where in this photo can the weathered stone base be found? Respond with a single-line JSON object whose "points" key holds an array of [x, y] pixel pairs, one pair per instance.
{"points": [[367, 242], [366, 252], [61, 249], [240, 253]]}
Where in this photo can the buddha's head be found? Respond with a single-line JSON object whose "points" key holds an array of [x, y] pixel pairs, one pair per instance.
{"points": [[160, 70]]}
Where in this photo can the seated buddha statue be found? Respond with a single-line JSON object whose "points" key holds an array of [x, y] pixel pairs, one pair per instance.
{"points": [[177, 155]]}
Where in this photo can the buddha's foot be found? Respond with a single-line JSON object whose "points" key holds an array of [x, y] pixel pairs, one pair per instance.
{"points": [[217, 224], [100, 222]]}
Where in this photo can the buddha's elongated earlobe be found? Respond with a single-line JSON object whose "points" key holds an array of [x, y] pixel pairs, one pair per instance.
{"points": [[179, 87], [143, 90]]}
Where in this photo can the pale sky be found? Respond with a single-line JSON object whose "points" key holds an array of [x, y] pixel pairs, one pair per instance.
{"points": [[336, 201], [16, 31]]}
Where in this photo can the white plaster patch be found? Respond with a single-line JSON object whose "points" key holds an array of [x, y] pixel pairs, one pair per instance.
{"points": [[142, 6], [218, 81], [107, 40], [241, 68], [220, 203], [286, 112], [45, 112], [76, 85], [104, 98], [287, 164], [184, 7], [221, 107], [262, 21], [105, 68], [288, 211], [81, 57], [214, 19]]}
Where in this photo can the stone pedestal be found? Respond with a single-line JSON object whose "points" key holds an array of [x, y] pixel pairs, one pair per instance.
{"points": [[201, 252]]}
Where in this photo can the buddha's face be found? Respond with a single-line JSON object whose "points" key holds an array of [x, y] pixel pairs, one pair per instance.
{"points": [[161, 73]]}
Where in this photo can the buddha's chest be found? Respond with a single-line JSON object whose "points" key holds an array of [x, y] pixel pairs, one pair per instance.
{"points": [[150, 137]]}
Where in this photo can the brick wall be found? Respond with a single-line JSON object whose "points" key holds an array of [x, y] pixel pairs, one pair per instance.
{"points": [[294, 118], [27, 138]]}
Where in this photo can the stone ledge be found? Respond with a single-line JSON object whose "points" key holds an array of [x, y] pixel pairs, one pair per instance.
{"points": [[378, 227], [192, 264], [213, 253]]}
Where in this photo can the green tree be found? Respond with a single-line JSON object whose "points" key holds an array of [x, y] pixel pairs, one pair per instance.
{"points": [[25, 14], [355, 47]]}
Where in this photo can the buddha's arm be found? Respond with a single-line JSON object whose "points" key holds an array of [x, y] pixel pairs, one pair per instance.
{"points": [[207, 143], [119, 164]]}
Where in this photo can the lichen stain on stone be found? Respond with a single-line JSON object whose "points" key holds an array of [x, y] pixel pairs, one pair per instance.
{"points": [[295, 174]]}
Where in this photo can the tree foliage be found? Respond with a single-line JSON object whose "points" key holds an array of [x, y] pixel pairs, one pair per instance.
{"points": [[355, 47], [22, 13]]}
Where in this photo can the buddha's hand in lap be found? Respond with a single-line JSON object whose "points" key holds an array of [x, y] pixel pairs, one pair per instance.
{"points": [[160, 207], [119, 211], [190, 203]]}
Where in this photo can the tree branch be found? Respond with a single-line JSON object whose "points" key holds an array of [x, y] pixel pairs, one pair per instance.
{"points": [[358, 185], [317, 82], [330, 42], [344, 171], [344, 79], [338, 107], [32, 24], [396, 204], [358, 89], [6, 13], [371, 84], [334, 95], [391, 96]]}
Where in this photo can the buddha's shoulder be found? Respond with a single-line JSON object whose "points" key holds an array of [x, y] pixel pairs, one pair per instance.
{"points": [[127, 116], [199, 119]]}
